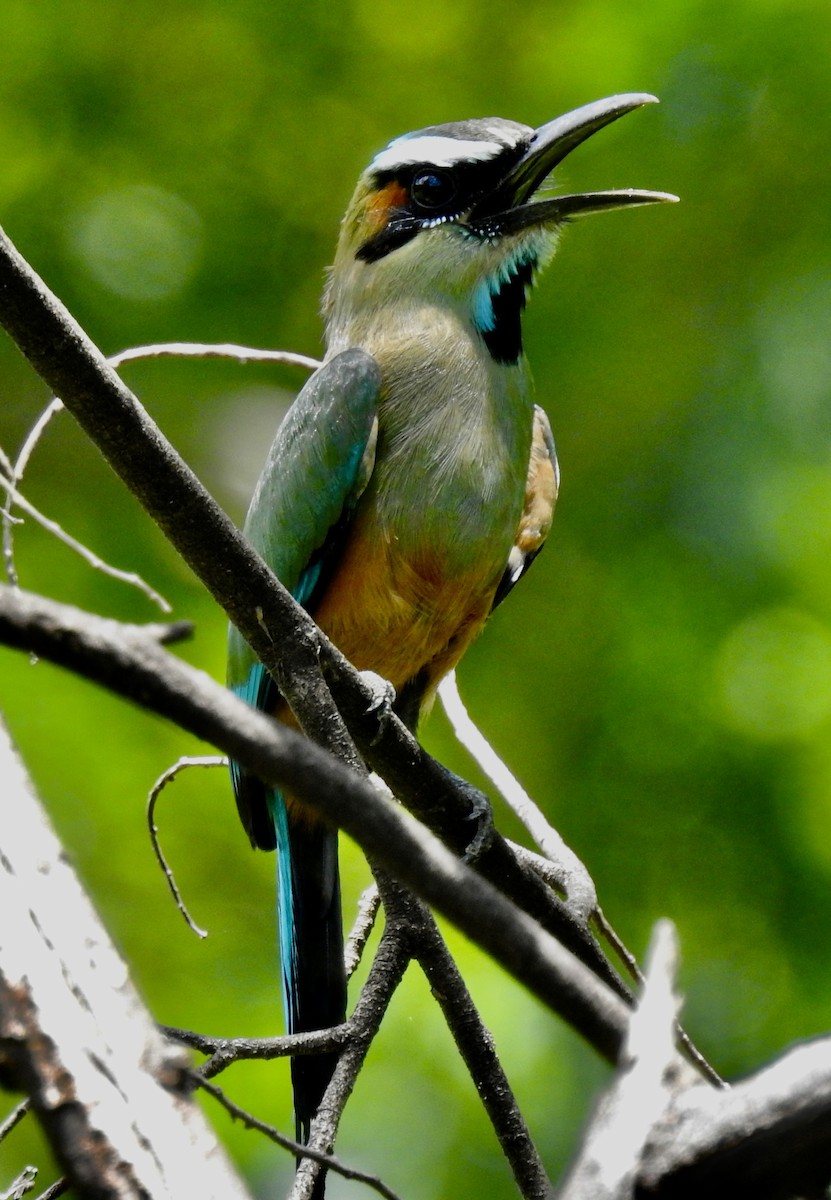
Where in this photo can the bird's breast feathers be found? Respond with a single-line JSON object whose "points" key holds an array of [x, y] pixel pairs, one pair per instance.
{"points": [[429, 543], [396, 610]]}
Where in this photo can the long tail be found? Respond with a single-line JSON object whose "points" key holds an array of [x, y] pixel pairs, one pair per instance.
{"points": [[311, 946]]}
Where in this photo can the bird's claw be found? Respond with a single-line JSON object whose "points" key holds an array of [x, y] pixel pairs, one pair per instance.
{"points": [[383, 698], [482, 813]]}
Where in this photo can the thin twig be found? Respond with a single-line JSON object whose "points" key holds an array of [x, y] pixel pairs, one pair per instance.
{"points": [[568, 870], [14, 1118], [242, 354], [15, 474], [385, 974], [72, 543], [7, 468], [15, 471], [685, 1042], [293, 1045], [22, 1185], [326, 1160], [158, 787], [224, 1052], [368, 906], [475, 1045], [615, 941], [34, 435], [445, 803], [575, 878], [59, 1188]]}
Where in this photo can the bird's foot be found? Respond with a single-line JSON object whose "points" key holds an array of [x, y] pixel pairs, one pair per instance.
{"points": [[383, 698], [479, 810], [482, 813]]}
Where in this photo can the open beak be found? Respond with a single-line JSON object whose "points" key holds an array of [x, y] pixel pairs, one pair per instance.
{"points": [[506, 210]]}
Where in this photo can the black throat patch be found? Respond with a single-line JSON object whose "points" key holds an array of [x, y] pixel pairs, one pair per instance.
{"points": [[503, 336]]}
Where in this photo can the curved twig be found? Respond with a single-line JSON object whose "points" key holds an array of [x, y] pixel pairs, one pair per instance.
{"points": [[328, 1161], [242, 354], [13, 496], [158, 787]]}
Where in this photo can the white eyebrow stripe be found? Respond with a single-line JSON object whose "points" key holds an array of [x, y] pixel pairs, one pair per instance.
{"points": [[436, 150]]}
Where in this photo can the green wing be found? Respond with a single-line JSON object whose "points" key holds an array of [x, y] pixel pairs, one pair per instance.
{"points": [[317, 468]]}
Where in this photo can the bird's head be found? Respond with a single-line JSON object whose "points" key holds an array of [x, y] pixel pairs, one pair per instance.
{"points": [[452, 212]]}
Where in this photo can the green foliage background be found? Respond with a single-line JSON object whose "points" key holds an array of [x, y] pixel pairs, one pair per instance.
{"points": [[662, 681]]}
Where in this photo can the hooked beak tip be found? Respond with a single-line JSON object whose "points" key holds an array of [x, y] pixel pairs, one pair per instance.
{"points": [[506, 209]]}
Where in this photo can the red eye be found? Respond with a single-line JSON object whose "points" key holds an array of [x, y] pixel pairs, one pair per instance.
{"points": [[432, 189]]}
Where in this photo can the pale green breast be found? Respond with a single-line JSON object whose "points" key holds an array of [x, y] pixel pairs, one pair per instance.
{"points": [[453, 450]]}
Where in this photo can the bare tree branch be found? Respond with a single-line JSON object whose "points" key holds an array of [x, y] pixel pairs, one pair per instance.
{"points": [[656, 1133], [242, 354], [609, 1161], [14, 1118], [107, 1089], [368, 906], [768, 1136], [167, 777], [13, 496], [22, 1185], [134, 665], [560, 868], [135, 448], [59, 1188], [324, 1160], [475, 1044], [225, 1051], [385, 974], [15, 473], [573, 879]]}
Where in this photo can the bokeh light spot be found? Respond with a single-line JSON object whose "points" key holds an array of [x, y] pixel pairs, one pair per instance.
{"points": [[139, 242]]}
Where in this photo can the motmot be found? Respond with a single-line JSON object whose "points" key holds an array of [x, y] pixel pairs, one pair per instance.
{"points": [[413, 481]]}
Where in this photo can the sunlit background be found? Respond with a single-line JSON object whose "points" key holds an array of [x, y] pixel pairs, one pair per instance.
{"points": [[662, 680]]}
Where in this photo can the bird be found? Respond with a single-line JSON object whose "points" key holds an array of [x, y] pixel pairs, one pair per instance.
{"points": [[412, 482]]}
